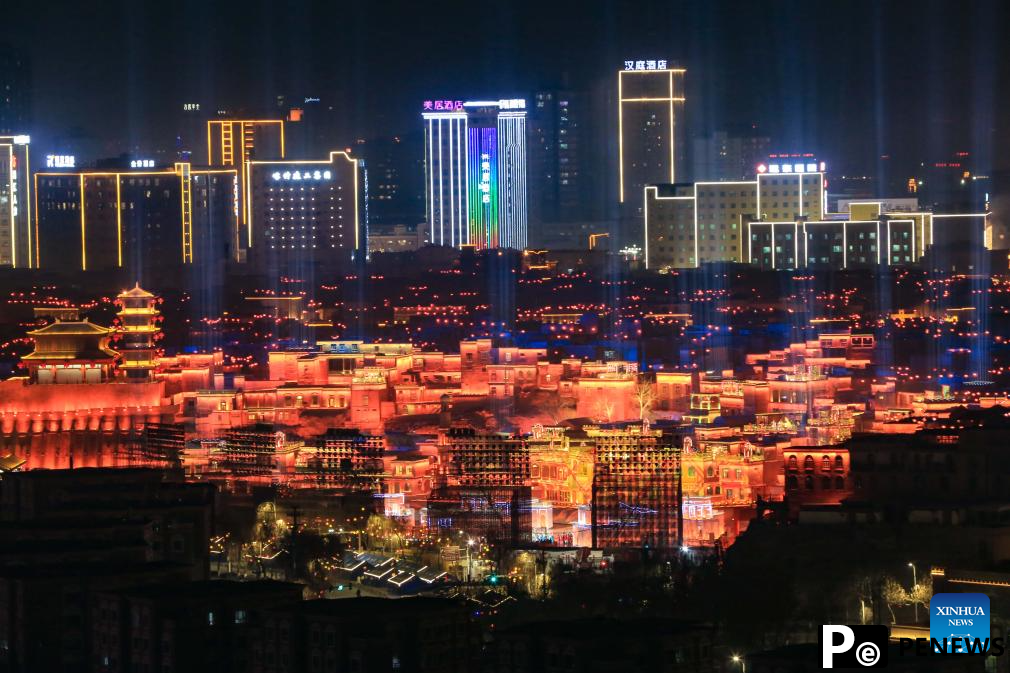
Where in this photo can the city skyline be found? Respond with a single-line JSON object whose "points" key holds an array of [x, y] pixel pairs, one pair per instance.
{"points": [[503, 338], [799, 112]]}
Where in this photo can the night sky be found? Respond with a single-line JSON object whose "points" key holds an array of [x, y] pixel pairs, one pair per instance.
{"points": [[849, 80]]}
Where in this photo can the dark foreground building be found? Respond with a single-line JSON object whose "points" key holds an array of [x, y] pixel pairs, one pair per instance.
{"points": [[68, 535], [192, 626], [602, 644], [366, 635]]}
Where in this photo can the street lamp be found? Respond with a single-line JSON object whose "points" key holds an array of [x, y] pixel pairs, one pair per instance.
{"points": [[737, 659], [469, 565], [915, 606]]}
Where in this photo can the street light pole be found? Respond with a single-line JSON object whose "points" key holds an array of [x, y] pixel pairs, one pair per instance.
{"points": [[915, 605]]}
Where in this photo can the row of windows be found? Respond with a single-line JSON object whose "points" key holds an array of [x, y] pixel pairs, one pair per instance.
{"points": [[808, 463], [311, 188], [787, 262], [132, 182], [724, 194], [838, 236], [711, 248], [807, 180], [827, 483]]}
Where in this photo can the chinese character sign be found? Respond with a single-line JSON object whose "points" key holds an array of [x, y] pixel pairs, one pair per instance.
{"points": [[512, 104], [645, 65], [485, 178], [60, 161], [443, 105]]}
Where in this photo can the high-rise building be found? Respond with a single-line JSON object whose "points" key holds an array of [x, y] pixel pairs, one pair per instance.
{"points": [[558, 151], [395, 186], [231, 142], [134, 216], [235, 142], [445, 151], [475, 173], [727, 156], [16, 245], [649, 96], [304, 214], [190, 134], [496, 168], [15, 91]]}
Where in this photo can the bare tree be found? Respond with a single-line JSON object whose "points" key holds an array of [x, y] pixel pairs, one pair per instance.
{"points": [[604, 409], [645, 397]]}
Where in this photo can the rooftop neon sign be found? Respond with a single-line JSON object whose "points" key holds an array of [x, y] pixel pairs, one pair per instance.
{"points": [[645, 65], [443, 105]]}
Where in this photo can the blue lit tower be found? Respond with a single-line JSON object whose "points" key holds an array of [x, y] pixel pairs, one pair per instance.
{"points": [[475, 173]]}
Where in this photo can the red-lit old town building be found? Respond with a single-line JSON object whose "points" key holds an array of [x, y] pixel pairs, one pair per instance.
{"points": [[334, 417]]}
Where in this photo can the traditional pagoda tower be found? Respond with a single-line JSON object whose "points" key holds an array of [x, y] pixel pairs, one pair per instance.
{"points": [[138, 331], [70, 351]]}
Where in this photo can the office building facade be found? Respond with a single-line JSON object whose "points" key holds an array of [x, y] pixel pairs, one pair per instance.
{"points": [[304, 213], [686, 225], [91, 220], [867, 234], [780, 221], [395, 179]]}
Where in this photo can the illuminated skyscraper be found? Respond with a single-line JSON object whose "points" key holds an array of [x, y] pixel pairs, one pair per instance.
{"points": [[649, 94], [476, 173], [512, 214], [234, 142], [16, 245], [445, 152]]}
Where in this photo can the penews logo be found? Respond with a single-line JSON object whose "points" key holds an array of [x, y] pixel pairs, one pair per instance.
{"points": [[853, 646], [956, 621]]}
